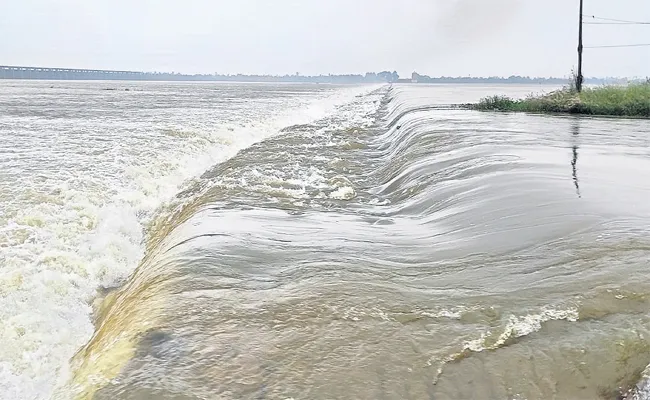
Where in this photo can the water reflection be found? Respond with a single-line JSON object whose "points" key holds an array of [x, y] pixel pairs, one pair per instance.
{"points": [[575, 130]]}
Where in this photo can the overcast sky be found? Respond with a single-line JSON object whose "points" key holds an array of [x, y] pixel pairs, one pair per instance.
{"points": [[434, 37]]}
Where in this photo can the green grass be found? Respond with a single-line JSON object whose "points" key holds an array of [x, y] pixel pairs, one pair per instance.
{"points": [[632, 101]]}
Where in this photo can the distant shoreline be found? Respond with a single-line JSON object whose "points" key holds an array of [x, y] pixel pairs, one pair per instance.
{"points": [[551, 84], [71, 74], [324, 82]]}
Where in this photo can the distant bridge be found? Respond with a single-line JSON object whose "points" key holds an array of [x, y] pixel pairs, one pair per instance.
{"points": [[16, 72], [44, 73]]}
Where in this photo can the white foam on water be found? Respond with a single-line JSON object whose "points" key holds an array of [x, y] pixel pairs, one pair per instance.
{"points": [[641, 390], [343, 193], [518, 326], [298, 180], [81, 229]]}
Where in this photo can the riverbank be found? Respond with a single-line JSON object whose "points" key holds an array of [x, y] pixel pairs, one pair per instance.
{"points": [[631, 101]]}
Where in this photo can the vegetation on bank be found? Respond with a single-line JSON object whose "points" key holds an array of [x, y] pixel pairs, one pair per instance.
{"points": [[632, 100]]}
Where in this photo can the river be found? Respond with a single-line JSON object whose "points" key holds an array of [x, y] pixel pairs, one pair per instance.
{"points": [[276, 241]]}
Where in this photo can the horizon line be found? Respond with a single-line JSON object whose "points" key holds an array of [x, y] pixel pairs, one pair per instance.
{"points": [[298, 75]]}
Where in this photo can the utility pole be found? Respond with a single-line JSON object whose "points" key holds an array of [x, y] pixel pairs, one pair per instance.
{"points": [[579, 77]]}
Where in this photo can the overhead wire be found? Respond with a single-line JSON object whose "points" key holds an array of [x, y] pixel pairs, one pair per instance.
{"points": [[614, 21], [617, 45], [618, 21]]}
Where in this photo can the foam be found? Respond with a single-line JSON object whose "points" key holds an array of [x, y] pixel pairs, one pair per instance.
{"points": [[518, 326], [641, 390], [80, 229], [343, 193]]}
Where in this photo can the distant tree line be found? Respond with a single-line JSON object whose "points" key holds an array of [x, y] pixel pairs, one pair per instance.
{"points": [[516, 79], [369, 77], [7, 72]]}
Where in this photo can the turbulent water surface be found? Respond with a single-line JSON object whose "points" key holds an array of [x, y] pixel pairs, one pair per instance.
{"points": [[243, 241]]}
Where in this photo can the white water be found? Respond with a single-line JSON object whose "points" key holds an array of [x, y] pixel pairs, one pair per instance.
{"points": [[82, 170]]}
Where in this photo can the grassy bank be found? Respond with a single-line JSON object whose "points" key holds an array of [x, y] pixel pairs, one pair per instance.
{"points": [[632, 101]]}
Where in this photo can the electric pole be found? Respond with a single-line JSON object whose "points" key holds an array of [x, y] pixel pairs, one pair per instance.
{"points": [[579, 77]]}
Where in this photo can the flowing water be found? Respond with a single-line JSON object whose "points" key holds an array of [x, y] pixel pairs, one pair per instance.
{"points": [[227, 241]]}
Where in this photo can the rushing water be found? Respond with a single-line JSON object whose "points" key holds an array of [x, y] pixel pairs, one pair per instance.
{"points": [[208, 241]]}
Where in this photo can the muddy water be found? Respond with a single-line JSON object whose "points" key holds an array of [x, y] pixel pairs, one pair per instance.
{"points": [[393, 248], [84, 167]]}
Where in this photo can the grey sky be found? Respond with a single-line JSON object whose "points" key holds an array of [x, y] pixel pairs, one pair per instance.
{"points": [[436, 37]]}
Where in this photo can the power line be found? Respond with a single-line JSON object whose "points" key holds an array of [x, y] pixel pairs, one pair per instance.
{"points": [[600, 21], [618, 45], [620, 21], [616, 23]]}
